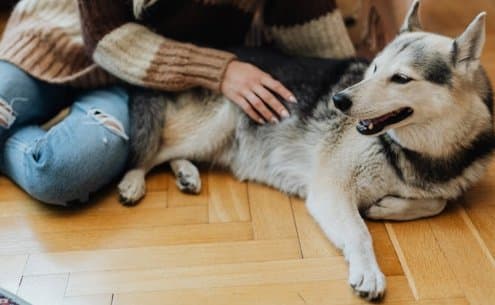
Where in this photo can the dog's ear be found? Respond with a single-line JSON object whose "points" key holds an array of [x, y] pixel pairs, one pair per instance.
{"points": [[467, 48], [412, 22]]}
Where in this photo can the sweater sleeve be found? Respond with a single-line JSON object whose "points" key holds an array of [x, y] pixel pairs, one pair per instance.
{"points": [[135, 54], [309, 28]]}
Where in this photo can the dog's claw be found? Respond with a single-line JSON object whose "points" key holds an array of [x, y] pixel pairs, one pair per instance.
{"points": [[369, 285], [127, 202], [189, 183]]}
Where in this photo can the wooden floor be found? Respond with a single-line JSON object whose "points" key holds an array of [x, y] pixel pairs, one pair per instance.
{"points": [[241, 243]]}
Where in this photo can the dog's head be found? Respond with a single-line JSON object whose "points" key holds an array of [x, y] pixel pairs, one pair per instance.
{"points": [[418, 78]]}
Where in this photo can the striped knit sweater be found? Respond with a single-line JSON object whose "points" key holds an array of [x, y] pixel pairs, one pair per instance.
{"points": [[162, 44]]}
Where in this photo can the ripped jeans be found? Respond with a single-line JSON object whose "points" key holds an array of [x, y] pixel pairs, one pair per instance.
{"points": [[87, 150]]}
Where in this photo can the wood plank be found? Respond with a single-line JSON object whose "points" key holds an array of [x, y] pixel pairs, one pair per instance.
{"points": [[108, 200], [15, 202], [125, 238], [423, 260], [465, 252], [384, 249], [157, 179], [245, 274], [162, 257], [228, 198], [480, 206], [21, 226], [314, 243], [299, 293], [271, 213], [11, 270], [44, 290], [89, 300], [178, 199]]}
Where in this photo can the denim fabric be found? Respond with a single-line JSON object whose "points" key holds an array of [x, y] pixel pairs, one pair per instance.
{"points": [[76, 157]]}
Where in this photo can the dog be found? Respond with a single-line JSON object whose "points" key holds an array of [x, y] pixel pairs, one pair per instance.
{"points": [[392, 139]]}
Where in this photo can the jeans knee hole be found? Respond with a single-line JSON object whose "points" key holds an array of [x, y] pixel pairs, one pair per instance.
{"points": [[110, 122]]}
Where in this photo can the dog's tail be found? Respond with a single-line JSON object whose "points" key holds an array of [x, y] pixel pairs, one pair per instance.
{"points": [[147, 118]]}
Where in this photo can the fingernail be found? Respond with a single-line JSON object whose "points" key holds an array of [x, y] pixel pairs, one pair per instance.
{"points": [[262, 122], [284, 114], [292, 99], [275, 120]]}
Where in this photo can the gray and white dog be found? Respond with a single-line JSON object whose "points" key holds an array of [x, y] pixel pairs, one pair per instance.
{"points": [[394, 139]]}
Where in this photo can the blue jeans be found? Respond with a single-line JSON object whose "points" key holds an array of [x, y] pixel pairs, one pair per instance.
{"points": [[87, 150]]}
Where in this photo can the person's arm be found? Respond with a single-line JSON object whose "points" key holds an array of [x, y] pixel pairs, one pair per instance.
{"points": [[141, 57], [309, 28], [135, 54]]}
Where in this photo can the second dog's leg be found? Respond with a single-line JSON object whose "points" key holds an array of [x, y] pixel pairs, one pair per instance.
{"points": [[395, 208], [187, 174]]}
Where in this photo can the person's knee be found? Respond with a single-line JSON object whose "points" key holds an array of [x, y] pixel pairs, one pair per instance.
{"points": [[109, 107], [48, 191], [65, 179]]}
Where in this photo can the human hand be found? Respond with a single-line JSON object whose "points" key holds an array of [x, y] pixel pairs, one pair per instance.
{"points": [[249, 88]]}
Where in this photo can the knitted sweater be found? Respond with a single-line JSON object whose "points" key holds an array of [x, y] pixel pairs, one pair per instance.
{"points": [[162, 44]]}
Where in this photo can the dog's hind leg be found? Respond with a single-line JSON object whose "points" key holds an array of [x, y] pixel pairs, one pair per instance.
{"points": [[395, 208], [187, 174]]}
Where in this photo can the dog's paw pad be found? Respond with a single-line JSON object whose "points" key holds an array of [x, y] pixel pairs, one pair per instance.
{"points": [[369, 285], [189, 182]]}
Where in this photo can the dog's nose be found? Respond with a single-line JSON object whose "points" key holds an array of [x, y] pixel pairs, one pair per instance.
{"points": [[342, 101]]}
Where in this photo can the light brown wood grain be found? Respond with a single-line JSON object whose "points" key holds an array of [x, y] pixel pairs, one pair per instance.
{"points": [[11, 271], [121, 238], [429, 273], [228, 198], [300, 293], [246, 274], [44, 289], [88, 300], [162, 257], [271, 213], [468, 257], [242, 243]]}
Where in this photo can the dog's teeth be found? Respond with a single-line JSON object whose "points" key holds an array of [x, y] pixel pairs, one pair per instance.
{"points": [[370, 126]]}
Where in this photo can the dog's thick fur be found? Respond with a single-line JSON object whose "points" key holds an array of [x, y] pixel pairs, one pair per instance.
{"points": [[405, 170]]}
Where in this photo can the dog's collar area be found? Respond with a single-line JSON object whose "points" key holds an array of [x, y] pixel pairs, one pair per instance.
{"points": [[376, 125]]}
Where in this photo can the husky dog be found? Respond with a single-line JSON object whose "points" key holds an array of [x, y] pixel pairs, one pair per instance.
{"points": [[394, 139]]}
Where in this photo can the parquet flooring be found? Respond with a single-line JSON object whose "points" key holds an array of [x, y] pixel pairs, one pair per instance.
{"points": [[243, 243]]}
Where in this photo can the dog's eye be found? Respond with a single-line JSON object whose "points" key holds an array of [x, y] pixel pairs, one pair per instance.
{"points": [[400, 78], [374, 69]]}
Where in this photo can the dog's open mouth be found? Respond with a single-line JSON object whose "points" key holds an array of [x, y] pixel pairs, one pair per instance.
{"points": [[376, 125]]}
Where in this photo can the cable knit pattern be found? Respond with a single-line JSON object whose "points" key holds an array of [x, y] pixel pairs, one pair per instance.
{"points": [[315, 38], [91, 43]]}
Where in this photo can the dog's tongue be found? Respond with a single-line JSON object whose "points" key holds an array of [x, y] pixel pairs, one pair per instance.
{"points": [[375, 125]]}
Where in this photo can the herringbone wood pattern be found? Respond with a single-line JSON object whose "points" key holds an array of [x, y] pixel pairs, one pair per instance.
{"points": [[239, 243]]}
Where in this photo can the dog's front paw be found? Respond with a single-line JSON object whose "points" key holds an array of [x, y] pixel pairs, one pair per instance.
{"points": [[189, 180], [132, 188], [369, 284]]}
